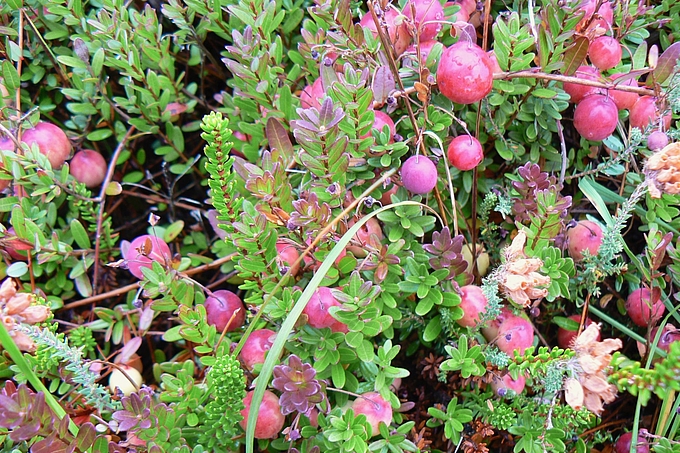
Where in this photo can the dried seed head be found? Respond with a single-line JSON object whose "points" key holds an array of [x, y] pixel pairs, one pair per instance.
{"points": [[19, 303]]}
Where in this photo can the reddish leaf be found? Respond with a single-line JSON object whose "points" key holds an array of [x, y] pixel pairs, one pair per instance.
{"points": [[575, 55], [383, 84], [278, 139], [666, 64]]}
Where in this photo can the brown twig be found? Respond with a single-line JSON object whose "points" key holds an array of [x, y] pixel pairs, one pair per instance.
{"points": [[134, 286], [534, 74], [102, 203]]}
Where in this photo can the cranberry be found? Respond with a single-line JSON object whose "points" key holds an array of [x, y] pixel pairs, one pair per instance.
{"points": [[52, 142], [398, 34], [88, 167], [515, 334], [221, 307], [317, 311], [311, 95], [577, 91], [657, 140], [623, 99], [428, 17], [644, 306], [565, 338], [465, 152], [419, 174], [465, 73], [586, 235], [473, 303], [375, 408], [269, 417], [256, 346], [605, 52], [143, 251], [645, 112], [623, 444], [596, 117]]}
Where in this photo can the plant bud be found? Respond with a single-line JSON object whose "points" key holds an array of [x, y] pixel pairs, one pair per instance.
{"points": [[35, 314], [7, 289], [23, 341], [18, 303]]}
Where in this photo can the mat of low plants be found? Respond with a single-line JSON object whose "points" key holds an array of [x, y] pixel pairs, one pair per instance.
{"points": [[329, 226]]}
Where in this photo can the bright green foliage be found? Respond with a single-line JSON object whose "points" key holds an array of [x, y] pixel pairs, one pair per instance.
{"points": [[453, 419], [226, 385]]}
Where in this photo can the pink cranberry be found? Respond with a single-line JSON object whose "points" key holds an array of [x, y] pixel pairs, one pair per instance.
{"points": [[51, 140], [375, 408], [88, 167], [269, 417], [143, 251], [256, 346], [225, 307]]}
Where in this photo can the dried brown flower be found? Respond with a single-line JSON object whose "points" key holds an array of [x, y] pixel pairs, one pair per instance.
{"points": [[589, 386], [17, 308], [519, 277], [663, 171]]}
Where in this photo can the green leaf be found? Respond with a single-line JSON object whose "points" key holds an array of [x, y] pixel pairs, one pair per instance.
{"points": [[73, 62], [433, 329], [173, 231], [80, 234], [640, 56], [544, 93], [99, 135], [10, 76], [17, 269], [6, 203]]}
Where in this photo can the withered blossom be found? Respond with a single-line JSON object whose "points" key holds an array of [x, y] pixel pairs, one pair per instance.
{"points": [[519, 277], [663, 171], [588, 386], [17, 308]]}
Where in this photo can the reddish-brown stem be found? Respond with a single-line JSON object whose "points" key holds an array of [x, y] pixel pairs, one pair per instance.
{"points": [[102, 204]]}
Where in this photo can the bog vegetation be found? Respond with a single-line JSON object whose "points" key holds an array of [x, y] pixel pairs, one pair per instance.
{"points": [[329, 226]]}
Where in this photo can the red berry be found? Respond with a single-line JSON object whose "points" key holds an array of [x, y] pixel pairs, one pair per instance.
{"points": [[269, 417], [317, 312], [605, 52], [462, 15], [623, 99], [425, 49], [381, 120], [375, 408], [596, 117], [88, 167], [419, 174], [465, 73], [494, 62], [311, 95], [465, 152], [287, 256], [657, 140], [51, 141], [565, 337], [669, 335], [515, 334], [577, 91], [605, 13], [586, 235], [473, 302], [16, 248], [398, 34], [645, 112], [623, 444], [501, 385], [143, 251], [256, 346], [428, 17], [221, 307], [644, 306]]}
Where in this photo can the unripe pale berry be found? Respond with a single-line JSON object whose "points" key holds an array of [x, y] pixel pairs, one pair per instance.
{"points": [[428, 17], [317, 312], [657, 140], [256, 346], [646, 112]]}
